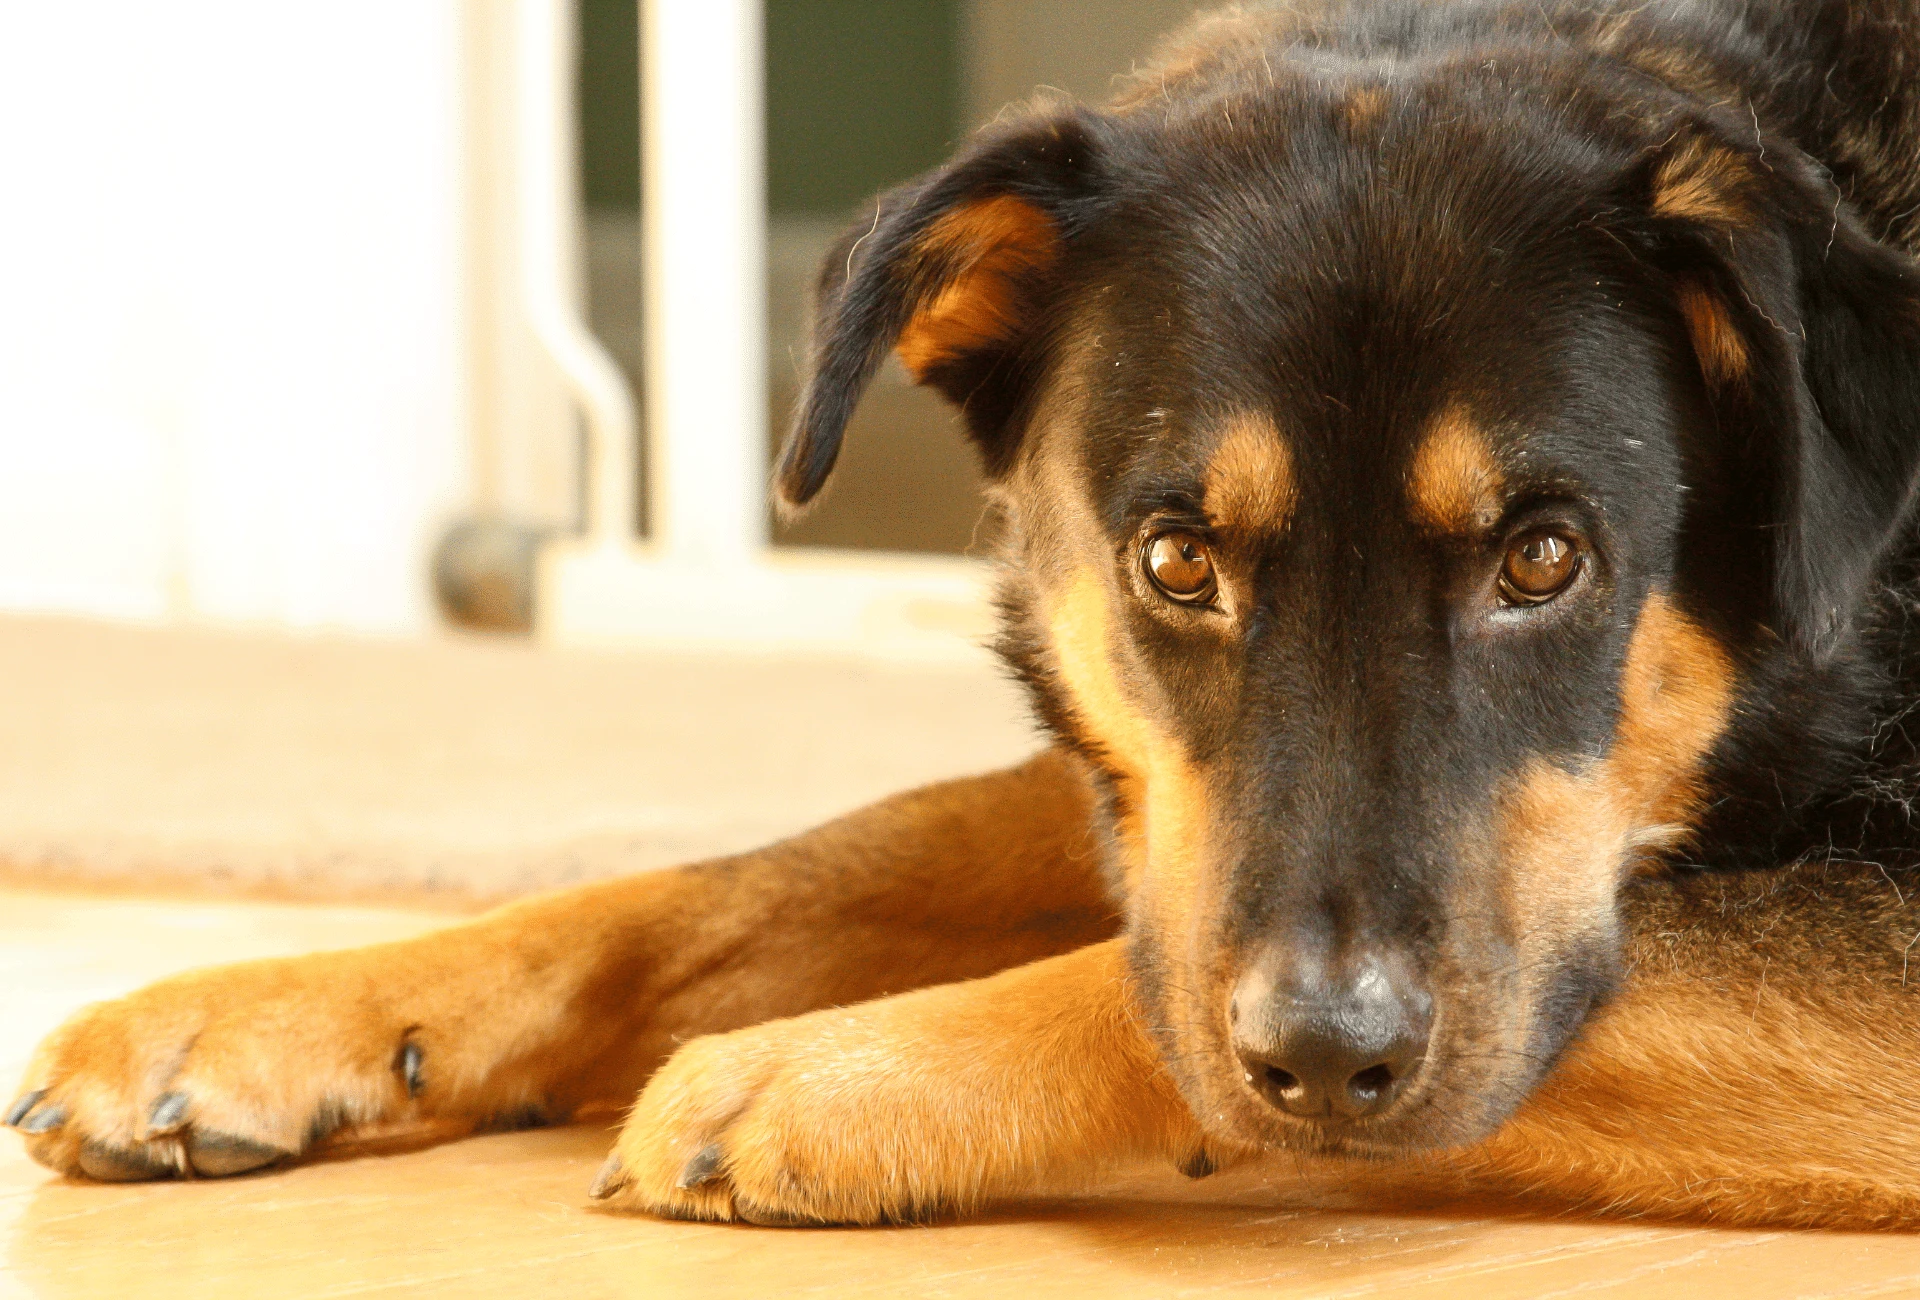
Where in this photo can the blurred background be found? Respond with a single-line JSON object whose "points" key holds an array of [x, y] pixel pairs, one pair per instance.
{"points": [[330, 333], [264, 334]]}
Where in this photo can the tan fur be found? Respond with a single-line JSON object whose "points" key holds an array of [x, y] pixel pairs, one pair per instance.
{"points": [[1249, 480], [1722, 352], [1702, 182], [1684, 71], [990, 249], [1455, 482], [1750, 1071], [1364, 109], [1680, 1104], [1163, 821], [1675, 697], [1122, 730], [934, 1101], [1567, 836]]}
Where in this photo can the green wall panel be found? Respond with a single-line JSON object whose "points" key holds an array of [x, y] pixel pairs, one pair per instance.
{"points": [[861, 94]]}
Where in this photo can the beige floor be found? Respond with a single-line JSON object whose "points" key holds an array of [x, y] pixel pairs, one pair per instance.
{"points": [[507, 1215], [456, 768]]}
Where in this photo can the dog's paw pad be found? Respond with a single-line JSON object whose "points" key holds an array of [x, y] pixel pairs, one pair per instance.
{"points": [[762, 1217], [110, 1164], [221, 1155]]}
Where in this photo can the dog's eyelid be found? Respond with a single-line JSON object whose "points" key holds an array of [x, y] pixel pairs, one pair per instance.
{"points": [[1162, 520], [1549, 507], [1168, 507]]}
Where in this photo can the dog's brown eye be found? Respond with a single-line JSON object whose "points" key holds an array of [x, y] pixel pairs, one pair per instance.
{"points": [[1538, 567], [1180, 566]]}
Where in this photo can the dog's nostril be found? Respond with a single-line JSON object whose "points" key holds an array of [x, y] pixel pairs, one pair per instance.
{"points": [[1367, 1085], [1329, 1050], [1313, 1083]]}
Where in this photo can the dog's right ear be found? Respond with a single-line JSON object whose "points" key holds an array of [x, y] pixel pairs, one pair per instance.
{"points": [[951, 271], [1806, 330]]}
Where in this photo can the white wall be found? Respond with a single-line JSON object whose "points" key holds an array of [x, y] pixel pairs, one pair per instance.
{"points": [[231, 323], [526, 434]]}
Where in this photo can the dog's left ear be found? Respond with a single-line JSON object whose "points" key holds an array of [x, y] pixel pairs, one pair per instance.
{"points": [[952, 271], [1807, 334]]}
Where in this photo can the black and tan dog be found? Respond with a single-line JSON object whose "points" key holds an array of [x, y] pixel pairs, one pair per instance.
{"points": [[1456, 464]]}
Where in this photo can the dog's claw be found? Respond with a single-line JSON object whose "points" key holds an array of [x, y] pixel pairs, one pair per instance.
{"points": [[609, 1180], [105, 1164], [25, 1102], [218, 1155], [702, 1169], [43, 1121], [408, 1064], [168, 1113]]}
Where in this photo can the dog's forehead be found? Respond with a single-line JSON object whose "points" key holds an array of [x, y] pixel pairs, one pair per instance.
{"points": [[1408, 432], [1252, 472], [1310, 329]]}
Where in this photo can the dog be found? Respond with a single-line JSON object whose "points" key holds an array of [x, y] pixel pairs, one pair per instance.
{"points": [[1456, 468]]}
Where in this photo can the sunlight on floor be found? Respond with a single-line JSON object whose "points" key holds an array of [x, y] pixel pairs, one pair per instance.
{"points": [[507, 1215]]}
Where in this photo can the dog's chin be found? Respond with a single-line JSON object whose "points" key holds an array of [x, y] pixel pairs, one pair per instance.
{"points": [[1386, 1138]]}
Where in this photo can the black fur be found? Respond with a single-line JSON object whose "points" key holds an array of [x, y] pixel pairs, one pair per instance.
{"points": [[1245, 230]]}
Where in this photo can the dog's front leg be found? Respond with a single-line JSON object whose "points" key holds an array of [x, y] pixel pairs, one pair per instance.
{"points": [[927, 1103], [568, 1000]]}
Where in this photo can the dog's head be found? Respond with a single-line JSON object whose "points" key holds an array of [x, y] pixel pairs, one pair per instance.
{"points": [[1407, 485]]}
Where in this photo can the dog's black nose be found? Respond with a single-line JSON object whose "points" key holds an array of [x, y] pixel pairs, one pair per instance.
{"points": [[1329, 1044]]}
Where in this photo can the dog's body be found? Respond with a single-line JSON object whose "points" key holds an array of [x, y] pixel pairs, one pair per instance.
{"points": [[1457, 465]]}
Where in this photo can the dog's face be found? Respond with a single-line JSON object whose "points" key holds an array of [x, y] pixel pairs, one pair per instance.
{"points": [[1403, 488], [1352, 537]]}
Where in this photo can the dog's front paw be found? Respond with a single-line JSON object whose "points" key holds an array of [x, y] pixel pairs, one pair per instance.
{"points": [[824, 1119], [928, 1103], [216, 1072]]}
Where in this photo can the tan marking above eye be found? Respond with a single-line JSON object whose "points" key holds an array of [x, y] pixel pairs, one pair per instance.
{"points": [[1180, 565], [1455, 483], [1539, 565], [1249, 479]]}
